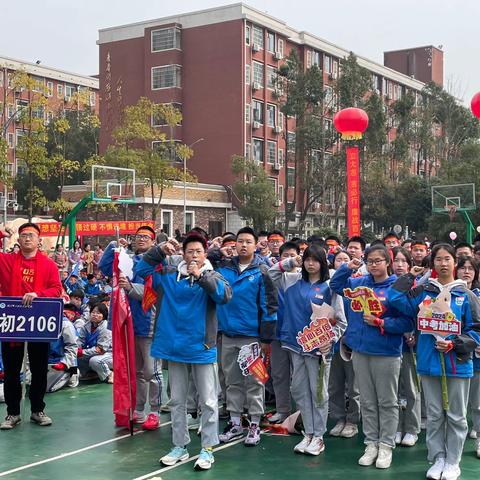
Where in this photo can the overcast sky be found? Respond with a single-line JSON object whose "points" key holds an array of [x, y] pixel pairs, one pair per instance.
{"points": [[63, 34]]}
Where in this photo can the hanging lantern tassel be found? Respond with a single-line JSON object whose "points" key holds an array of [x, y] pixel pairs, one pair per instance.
{"points": [[444, 382], [321, 374]]}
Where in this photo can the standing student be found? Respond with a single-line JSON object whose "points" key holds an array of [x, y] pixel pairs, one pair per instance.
{"points": [[408, 385], [300, 290], [28, 274], [75, 256], [446, 429], [376, 341]]}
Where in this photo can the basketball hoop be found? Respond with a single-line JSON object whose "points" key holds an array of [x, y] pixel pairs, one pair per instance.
{"points": [[452, 211]]}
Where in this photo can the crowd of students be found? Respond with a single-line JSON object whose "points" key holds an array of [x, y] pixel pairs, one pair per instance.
{"points": [[219, 298]]}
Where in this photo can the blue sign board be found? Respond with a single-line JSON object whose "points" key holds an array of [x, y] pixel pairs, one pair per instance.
{"points": [[40, 322]]}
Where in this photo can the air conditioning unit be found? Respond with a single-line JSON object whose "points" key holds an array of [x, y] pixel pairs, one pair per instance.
{"points": [[256, 125], [256, 85], [256, 47], [277, 129], [278, 202], [277, 166], [278, 56]]}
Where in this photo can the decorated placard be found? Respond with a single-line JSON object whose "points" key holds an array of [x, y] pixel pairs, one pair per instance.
{"points": [[436, 317], [364, 299], [251, 363], [319, 332]]}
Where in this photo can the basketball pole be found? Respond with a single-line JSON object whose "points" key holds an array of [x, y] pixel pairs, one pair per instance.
{"points": [[470, 227]]}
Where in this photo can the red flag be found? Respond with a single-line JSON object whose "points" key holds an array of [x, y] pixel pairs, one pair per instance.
{"points": [[124, 386], [149, 295]]}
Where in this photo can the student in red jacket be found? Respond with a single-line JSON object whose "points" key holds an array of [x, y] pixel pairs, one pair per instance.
{"points": [[28, 274]]}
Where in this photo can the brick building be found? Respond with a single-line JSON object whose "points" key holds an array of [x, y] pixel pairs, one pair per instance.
{"points": [[218, 66]]}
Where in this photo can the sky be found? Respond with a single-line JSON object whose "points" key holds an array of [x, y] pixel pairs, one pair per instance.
{"points": [[63, 34]]}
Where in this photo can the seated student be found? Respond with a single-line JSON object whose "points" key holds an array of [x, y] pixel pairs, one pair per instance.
{"points": [[92, 288], [82, 279], [62, 356], [72, 283], [95, 345], [76, 298]]}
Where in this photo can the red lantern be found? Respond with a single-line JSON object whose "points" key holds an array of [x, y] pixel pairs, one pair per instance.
{"points": [[476, 105], [351, 123]]}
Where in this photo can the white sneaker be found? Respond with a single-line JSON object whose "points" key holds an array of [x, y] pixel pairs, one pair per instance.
{"points": [[176, 454], [435, 471], [409, 440], [384, 459], [337, 429], [205, 460], [398, 438], [349, 431], [370, 455], [315, 447], [278, 418], [74, 380], [451, 472], [300, 447], [472, 434]]}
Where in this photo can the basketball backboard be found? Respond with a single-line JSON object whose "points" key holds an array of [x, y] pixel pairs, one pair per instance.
{"points": [[460, 198], [113, 184]]}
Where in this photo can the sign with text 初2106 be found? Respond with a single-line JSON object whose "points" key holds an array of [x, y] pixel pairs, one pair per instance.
{"points": [[40, 322]]}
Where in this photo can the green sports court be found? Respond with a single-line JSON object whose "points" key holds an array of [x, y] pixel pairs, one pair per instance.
{"points": [[83, 443]]}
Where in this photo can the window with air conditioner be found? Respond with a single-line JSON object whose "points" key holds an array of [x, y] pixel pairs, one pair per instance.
{"points": [[258, 73], [271, 115], [257, 149], [271, 152], [168, 76], [166, 39], [258, 37]]}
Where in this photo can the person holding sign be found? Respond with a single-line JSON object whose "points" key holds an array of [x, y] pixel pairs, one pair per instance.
{"points": [[28, 274], [448, 317], [309, 337], [375, 335]]}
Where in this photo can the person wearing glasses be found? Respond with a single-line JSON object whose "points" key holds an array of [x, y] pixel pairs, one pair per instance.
{"points": [[28, 274], [149, 370], [376, 341]]}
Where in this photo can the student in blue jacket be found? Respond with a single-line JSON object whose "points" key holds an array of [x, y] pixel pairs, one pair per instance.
{"points": [[446, 429], [300, 290], [185, 335], [376, 342]]}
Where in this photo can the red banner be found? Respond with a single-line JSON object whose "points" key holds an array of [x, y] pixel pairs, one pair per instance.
{"points": [[353, 191], [51, 229]]}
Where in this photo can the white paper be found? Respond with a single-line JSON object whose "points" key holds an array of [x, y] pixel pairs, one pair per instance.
{"points": [[125, 264]]}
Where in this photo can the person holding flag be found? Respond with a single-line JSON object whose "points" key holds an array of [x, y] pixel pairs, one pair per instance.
{"points": [[28, 274], [185, 335], [141, 298]]}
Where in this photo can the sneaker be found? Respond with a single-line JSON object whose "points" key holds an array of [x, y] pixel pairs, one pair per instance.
{"points": [[110, 378], [139, 417], [11, 421], [152, 422], [165, 408], [472, 434], [193, 423], [409, 440], [337, 429], [477, 447], [253, 435], [176, 454], [205, 460], [231, 432], [451, 472], [384, 459], [300, 447], [370, 455], [40, 419], [398, 438], [278, 418], [349, 431], [315, 447], [435, 471], [74, 380]]}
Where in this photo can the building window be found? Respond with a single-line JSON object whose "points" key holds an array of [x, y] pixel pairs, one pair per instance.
{"points": [[280, 193], [328, 96], [271, 115], [327, 63], [167, 226], [258, 150], [257, 111], [11, 140], [335, 69], [291, 141], [271, 152], [38, 84], [316, 58], [258, 37], [309, 59], [18, 135], [248, 150], [60, 91], [11, 111], [21, 105], [38, 112], [69, 91], [166, 77], [281, 119], [290, 177], [247, 74], [93, 99], [280, 47], [271, 77], [273, 182], [271, 42], [258, 73], [247, 112], [281, 160], [189, 221], [166, 39], [50, 89], [247, 35], [160, 121]]}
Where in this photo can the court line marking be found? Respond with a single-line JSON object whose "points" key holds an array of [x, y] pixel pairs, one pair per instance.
{"points": [[73, 452], [190, 459]]}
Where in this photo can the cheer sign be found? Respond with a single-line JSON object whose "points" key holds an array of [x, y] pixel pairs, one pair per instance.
{"points": [[40, 322]]}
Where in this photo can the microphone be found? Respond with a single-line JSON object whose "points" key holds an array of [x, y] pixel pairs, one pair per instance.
{"points": [[191, 277]]}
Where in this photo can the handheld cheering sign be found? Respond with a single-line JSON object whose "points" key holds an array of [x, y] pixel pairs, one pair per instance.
{"points": [[319, 332], [39, 322], [363, 299], [251, 363]]}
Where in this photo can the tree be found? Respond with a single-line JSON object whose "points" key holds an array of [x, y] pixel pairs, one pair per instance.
{"points": [[256, 193]]}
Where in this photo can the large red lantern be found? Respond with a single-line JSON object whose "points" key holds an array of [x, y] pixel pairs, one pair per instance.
{"points": [[351, 123], [476, 105]]}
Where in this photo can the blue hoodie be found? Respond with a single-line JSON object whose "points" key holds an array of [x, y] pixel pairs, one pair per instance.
{"points": [[464, 305], [252, 312], [360, 336]]}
